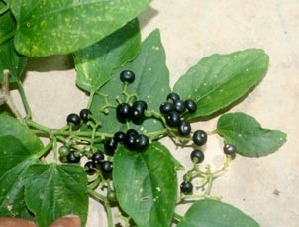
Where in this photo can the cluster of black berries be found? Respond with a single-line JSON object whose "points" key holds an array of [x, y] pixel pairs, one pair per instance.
{"points": [[98, 162], [75, 119], [130, 139], [173, 109]]}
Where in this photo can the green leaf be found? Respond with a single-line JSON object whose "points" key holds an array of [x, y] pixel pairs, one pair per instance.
{"points": [[95, 64], [54, 190], [15, 159], [7, 22], [9, 58], [212, 213], [11, 126], [248, 136], [219, 81], [61, 27], [12, 61], [146, 185], [151, 85]]}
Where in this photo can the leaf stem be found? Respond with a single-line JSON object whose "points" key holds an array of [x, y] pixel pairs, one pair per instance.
{"points": [[6, 97], [24, 100], [177, 217], [106, 204]]}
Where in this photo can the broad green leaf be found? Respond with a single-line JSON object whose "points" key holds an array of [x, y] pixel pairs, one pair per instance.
{"points": [[146, 185], [151, 85], [56, 190], [218, 81], [12, 61], [212, 213], [11, 126], [248, 136], [95, 64], [61, 27], [15, 159]]}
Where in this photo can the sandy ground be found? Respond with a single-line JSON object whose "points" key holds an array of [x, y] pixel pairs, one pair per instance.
{"points": [[265, 188]]}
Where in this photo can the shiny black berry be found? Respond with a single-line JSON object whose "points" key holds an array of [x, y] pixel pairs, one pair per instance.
{"points": [[132, 131], [197, 156], [72, 158], [127, 76], [73, 119], [166, 107], [186, 187], [106, 166], [173, 97], [191, 106], [97, 157], [229, 149], [90, 167], [184, 128], [130, 141], [110, 146], [85, 115], [200, 137], [123, 112], [173, 119], [180, 106], [119, 136], [137, 111], [141, 142]]}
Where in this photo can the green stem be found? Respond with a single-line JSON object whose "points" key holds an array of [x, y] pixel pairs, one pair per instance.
{"points": [[24, 99], [106, 204], [44, 151], [91, 95], [177, 217]]}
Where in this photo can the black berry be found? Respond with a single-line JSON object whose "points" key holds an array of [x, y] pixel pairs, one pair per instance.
{"points": [[229, 149], [130, 141], [97, 157], [137, 110], [72, 158], [110, 146], [132, 131], [191, 106], [127, 76], [180, 106], [184, 128], [141, 142], [90, 167], [173, 119], [197, 156], [106, 166], [85, 115], [200, 137], [73, 119], [119, 136], [166, 107], [123, 111], [186, 187], [173, 97]]}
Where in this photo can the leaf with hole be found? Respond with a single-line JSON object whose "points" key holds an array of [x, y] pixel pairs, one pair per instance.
{"points": [[95, 64], [54, 27], [217, 82], [53, 191], [146, 190], [212, 213], [248, 136]]}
